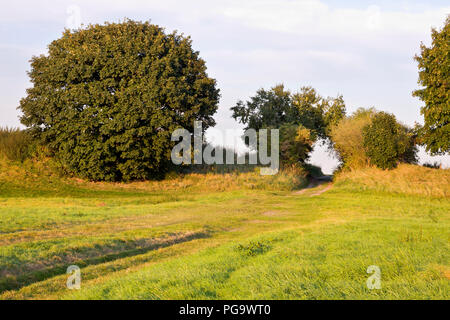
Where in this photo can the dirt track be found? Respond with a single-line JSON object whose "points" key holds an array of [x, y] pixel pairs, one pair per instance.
{"points": [[314, 184]]}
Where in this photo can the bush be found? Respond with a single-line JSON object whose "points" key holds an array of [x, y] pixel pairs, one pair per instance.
{"points": [[15, 144], [359, 142], [296, 142], [106, 99], [387, 142], [347, 138]]}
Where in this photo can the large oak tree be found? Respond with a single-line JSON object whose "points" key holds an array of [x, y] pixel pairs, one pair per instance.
{"points": [[106, 98]]}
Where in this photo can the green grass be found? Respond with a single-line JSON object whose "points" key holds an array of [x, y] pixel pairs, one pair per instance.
{"points": [[233, 236]]}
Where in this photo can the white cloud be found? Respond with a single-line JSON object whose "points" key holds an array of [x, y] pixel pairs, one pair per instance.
{"points": [[314, 17], [292, 16]]}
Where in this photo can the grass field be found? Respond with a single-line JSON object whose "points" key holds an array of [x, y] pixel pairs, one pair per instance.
{"points": [[233, 236]]}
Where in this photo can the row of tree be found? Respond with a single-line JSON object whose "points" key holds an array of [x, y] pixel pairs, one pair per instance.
{"points": [[106, 99], [366, 137]]}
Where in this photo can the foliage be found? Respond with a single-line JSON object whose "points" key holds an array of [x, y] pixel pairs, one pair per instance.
{"points": [[434, 77], [106, 98], [317, 113], [277, 106], [267, 109], [302, 117], [387, 142], [432, 165], [358, 143], [334, 112], [253, 248], [15, 144], [296, 142], [347, 138]]}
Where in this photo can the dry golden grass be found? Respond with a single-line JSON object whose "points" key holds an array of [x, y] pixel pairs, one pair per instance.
{"points": [[286, 180], [15, 144], [408, 179], [42, 173]]}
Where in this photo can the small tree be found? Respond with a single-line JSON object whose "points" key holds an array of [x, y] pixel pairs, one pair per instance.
{"points": [[387, 142], [279, 108], [106, 98], [267, 109], [434, 76]]}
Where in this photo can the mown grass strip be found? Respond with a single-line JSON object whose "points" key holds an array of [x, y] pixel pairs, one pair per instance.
{"points": [[16, 282]]}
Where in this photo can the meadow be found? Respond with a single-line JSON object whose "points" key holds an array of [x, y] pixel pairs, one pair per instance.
{"points": [[225, 236]]}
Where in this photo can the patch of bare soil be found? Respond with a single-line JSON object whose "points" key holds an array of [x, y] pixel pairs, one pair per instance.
{"points": [[318, 193], [270, 213], [314, 184], [310, 186]]}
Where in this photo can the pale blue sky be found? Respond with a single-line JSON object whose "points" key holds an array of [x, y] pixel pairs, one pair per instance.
{"points": [[361, 49]]}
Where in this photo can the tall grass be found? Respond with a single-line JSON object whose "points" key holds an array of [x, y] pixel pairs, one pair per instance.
{"points": [[407, 178], [15, 144], [286, 180]]}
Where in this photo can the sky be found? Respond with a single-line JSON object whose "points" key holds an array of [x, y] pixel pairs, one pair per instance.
{"points": [[361, 49]]}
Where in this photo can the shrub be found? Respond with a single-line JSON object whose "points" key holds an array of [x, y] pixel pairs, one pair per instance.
{"points": [[15, 144], [347, 138], [387, 142], [296, 142], [106, 99]]}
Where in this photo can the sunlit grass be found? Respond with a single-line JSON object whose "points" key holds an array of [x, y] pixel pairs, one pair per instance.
{"points": [[407, 178], [224, 236]]}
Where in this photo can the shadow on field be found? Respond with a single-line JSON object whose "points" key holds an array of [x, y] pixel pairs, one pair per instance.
{"points": [[15, 282]]}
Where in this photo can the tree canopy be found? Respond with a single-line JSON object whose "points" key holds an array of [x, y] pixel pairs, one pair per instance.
{"points": [[276, 107], [302, 117], [387, 142], [106, 98], [434, 77]]}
